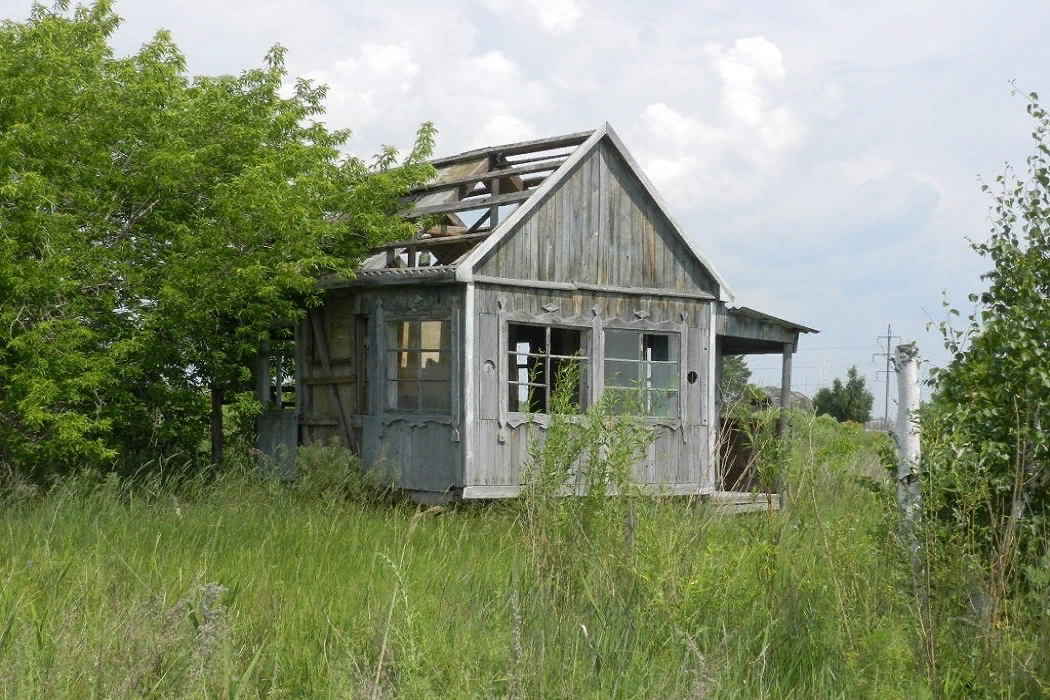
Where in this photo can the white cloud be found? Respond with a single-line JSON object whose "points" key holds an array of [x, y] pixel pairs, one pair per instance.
{"points": [[729, 155], [506, 128], [555, 16], [559, 16], [390, 62]]}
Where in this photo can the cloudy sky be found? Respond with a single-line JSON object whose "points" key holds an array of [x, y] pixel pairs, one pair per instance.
{"points": [[824, 155]]}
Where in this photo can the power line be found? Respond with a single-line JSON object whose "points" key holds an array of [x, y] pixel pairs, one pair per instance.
{"points": [[889, 340]]}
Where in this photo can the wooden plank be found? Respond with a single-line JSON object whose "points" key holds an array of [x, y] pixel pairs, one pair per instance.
{"points": [[321, 347], [487, 343], [561, 238], [494, 189], [604, 242], [546, 163], [521, 147], [436, 242], [652, 252], [334, 379], [600, 288], [467, 205]]}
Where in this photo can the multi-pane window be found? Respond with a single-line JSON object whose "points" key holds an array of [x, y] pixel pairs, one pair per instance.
{"points": [[540, 358], [419, 366], [642, 368]]}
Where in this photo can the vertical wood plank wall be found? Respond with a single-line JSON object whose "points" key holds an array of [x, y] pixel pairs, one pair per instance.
{"points": [[600, 227], [679, 458]]}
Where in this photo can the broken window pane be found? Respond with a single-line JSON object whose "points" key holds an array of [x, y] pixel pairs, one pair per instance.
{"points": [[539, 359]]}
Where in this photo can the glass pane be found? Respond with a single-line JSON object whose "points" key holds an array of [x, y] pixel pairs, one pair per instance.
{"points": [[407, 364], [663, 376], [407, 395], [436, 396], [663, 403], [435, 365], [619, 373], [435, 335], [622, 345], [624, 401]]}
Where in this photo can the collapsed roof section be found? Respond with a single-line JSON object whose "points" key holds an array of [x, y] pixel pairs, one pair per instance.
{"points": [[468, 197]]}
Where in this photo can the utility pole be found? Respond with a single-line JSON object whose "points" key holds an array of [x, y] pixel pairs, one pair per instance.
{"points": [[889, 357]]}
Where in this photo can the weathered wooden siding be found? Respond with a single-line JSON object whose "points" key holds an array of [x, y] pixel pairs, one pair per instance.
{"points": [[679, 458], [420, 451], [599, 227]]}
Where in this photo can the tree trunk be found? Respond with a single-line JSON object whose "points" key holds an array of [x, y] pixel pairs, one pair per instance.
{"points": [[216, 424], [909, 496]]}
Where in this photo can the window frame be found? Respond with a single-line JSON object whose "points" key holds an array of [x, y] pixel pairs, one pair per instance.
{"points": [[645, 367], [512, 384], [391, 352]]}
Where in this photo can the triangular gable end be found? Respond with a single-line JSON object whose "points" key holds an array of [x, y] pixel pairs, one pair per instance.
{"points": [[598, 219]]}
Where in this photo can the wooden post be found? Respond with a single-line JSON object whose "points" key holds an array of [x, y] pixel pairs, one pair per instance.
{"points": [[785, 389], [909, 498], [494, 210], [779, 484]]}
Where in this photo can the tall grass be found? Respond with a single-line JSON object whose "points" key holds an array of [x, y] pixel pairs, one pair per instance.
{"points": [[229, 586]]}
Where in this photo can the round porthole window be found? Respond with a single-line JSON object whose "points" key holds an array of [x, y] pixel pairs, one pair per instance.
{"points": [[691, 377]]}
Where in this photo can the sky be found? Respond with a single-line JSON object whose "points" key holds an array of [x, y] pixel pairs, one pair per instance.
{"points": [[825, 156]]}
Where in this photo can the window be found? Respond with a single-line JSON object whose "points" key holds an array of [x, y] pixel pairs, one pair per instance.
{"points": [[419, 366], [646, 363], [539, 358]]}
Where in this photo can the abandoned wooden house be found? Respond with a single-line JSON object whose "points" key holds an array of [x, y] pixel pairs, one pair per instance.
{"points": [[438, 361]]}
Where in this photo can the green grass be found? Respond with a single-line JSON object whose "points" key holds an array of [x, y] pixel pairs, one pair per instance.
{"points": [[326, 588]]}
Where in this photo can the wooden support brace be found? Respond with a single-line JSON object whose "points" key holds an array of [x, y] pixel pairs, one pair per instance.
{"points": [[321, 348]]}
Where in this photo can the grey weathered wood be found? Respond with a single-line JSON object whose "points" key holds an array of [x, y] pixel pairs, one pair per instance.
{"points": [[468, 204], [321, 349], [277, 444], [584, 286], [521, 147], [542, 165], [434, 242]]}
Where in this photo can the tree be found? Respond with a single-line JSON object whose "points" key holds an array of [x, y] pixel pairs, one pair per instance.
{"points": [[156, 231], [735, 377], [849, 402], [985, 432]]}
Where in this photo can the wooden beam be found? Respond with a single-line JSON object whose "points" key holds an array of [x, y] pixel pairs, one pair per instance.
{"points": [[468, 205], [540, 166], [512, 149], [476, 226], [587, 287], [494, 210], [432, 242]]}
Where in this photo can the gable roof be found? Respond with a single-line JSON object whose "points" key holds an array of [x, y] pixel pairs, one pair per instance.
{"points": [[487, 179]]}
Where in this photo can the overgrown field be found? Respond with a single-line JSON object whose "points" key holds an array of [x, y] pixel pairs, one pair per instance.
{"points": [[233, 587]]}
